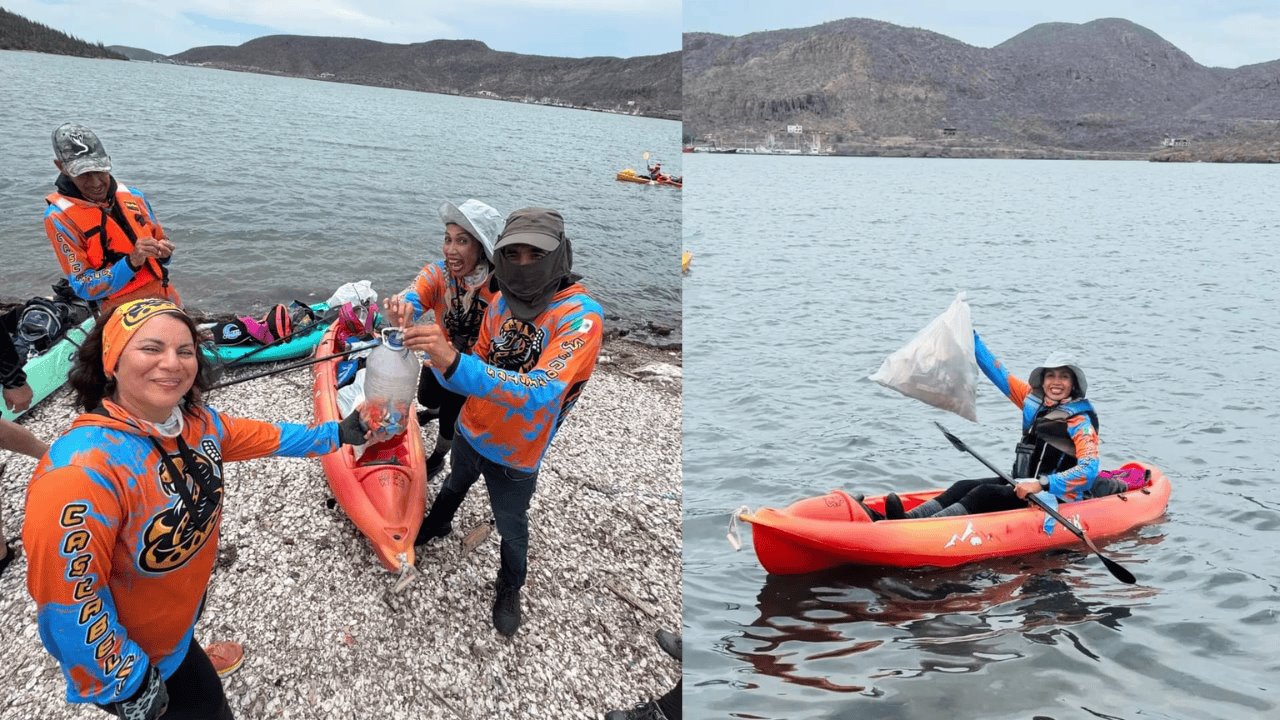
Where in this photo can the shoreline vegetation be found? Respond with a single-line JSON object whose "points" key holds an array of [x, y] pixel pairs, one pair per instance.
{"points": [[298, 585]]}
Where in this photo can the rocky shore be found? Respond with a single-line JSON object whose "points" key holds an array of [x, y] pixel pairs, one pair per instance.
{"points": [[298, 585]]}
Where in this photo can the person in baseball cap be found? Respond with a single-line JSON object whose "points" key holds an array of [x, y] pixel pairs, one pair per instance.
{"points": [[104, 234], [537, 347]]}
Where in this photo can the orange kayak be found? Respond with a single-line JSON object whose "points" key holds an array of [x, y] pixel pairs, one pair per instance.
{"points": [[386, 495], [831, 530], [685, 258], [632, 176]]}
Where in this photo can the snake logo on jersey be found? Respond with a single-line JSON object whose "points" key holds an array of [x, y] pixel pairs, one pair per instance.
{"points": [[518, 346], [463, 323], [176, 534]]}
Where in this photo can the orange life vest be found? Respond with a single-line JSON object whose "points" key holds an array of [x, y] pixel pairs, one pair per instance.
{"points": [[103, 239]]}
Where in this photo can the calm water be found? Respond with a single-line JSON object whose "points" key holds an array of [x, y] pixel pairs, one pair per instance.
{"points": [[1162, 279], [277, 188]]}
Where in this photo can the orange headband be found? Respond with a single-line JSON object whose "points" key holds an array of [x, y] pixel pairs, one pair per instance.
{"points": [[124, 322]]}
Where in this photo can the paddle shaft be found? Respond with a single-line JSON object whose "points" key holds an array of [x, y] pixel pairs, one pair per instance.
{"points": [[1119, 572], [328, 317], [294, 366]]}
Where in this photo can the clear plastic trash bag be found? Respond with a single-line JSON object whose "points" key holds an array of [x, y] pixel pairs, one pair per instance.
{"points": [[937, 366], [360, 292]]}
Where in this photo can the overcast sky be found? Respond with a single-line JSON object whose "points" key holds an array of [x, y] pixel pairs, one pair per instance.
{"points": [[563, 28], [1225, 33]]}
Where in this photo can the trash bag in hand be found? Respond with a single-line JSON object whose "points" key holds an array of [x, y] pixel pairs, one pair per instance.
{"points": [[937, 366]]}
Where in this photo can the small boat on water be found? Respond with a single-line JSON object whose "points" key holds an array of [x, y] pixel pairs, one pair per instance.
{"points": [[384, 495], [830, 530], [629, 175]]}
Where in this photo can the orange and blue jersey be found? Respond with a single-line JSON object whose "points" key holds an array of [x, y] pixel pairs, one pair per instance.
{"points": [[120, 555], [436, 290], [1070, 483], [92, 244], [524, 377]]}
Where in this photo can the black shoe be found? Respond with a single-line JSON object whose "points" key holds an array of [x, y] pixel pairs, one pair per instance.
{"points": [[644, 711], [428, 532], [435, 463], [875, 516], [893, 507], [426, 415], [671, 644], [439, 520], [506, 608]]}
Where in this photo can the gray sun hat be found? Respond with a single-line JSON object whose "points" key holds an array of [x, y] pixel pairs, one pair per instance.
{"points": [[1057, 360], [481, 221], [79, 150]]}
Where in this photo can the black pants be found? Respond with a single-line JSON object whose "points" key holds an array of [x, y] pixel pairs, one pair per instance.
{"points": [[670, 704], [195, 690], [982, 496], [432, 395]]}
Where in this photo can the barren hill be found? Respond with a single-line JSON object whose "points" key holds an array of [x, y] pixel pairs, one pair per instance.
{"points": [[1105, 85], [647, 85]]}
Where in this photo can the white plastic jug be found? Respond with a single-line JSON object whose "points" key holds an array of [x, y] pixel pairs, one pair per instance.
{"points": [[390, 385]]}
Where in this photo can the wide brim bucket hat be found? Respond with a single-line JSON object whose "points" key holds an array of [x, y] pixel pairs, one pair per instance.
{"points": [[1057, 360], [481, 221]]}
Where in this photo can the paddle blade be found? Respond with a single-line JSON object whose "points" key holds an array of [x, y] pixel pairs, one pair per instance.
{"points": [[955, 441], [645, 155], [1120, 573]]}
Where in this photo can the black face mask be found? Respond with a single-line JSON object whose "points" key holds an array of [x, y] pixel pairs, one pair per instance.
{"points": [[528, 289]]}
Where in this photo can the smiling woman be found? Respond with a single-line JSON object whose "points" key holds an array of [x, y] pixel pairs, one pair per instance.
{"points": [[124, 514]]}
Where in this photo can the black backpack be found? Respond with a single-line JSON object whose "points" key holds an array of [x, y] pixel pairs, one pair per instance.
{"points": [[42, 322]]}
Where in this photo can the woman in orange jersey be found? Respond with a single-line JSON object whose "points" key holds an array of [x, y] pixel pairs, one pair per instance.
{"points": [[123, 515], [457, 289]]}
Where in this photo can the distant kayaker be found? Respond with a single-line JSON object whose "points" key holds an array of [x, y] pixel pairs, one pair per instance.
{"points": [[1058, 451], [458, 290], [124, 512], [537, 347], [105, 235], [655, 172]]}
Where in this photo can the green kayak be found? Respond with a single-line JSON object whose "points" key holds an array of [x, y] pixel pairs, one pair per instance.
{"points": [[47, 371], [301, 343]]}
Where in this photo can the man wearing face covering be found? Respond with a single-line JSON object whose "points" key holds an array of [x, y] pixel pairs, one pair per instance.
{"points": [[537, 347]]}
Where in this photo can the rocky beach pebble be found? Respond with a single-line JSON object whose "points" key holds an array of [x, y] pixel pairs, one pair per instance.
{"points": [[299, 586]]}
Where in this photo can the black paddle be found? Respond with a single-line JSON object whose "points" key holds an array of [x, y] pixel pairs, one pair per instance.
{"points": [[1119, 572], [329, 316], [294, 366]]}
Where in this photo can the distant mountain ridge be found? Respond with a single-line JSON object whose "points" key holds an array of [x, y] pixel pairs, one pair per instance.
{"points": [[1108, 85], [649, 85], [134, 53], [19, 33]]}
